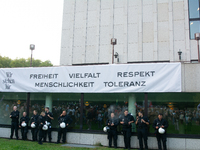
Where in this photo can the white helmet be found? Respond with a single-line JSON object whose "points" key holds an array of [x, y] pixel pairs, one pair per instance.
{"points": [[33, 125], [106, 128], [23, 124], [62, 125], [45, 127], [161, 130]]}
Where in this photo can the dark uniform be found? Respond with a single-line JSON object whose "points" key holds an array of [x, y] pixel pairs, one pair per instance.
{"points": [[112, 133], [159, 136], [14, 123], [41, 121], [142, 130], [62, 131], [34, 131], [24, 130], [49, 126], [126, 129]]}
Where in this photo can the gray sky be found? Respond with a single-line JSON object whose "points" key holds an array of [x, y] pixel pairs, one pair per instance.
{"points": [[25, 22]]}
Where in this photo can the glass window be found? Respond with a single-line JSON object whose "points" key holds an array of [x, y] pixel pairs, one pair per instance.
{"points": [[194, 17], [7, 101], [99, 106], [194, 8], [71, 104], [181, 110], [194, 28]]}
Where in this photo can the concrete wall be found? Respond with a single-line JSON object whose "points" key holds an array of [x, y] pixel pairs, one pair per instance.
{"points": [[146, 30], [190, 77], [92, 139]]}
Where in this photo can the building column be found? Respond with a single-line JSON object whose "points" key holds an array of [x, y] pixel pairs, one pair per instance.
{"points": [[132, 108], [48, 102]]}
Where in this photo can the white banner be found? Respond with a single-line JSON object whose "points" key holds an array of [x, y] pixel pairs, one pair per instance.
{"points": [[157, 77]]}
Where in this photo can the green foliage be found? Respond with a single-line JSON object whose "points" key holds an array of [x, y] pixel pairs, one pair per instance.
{"points": [[6, 144], [6, 62]]}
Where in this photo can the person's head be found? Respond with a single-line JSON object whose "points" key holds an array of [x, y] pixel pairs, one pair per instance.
{"points": [[140, 114], [15, 108], [24, 114], [112, 115], [160, 116], [64, 113], [35, 112], [42, 114], [47, 109], [125, 112]]}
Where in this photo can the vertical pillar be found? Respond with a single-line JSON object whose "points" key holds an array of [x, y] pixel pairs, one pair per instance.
{"points": [[81, 113], [48, 102], [146, 104], [132, 108], [27, 104]]}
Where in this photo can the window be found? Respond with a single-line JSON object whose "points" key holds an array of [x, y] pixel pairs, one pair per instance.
{"points": [[194, 17], [181, 110], [98, 107], [7, 101]]}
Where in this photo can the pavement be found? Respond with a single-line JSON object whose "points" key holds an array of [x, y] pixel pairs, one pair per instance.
{"points": [[79, 145]]}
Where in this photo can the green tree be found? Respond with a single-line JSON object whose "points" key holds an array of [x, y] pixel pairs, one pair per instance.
{"points": [[18, 63], [46, 63], [6, 62]]}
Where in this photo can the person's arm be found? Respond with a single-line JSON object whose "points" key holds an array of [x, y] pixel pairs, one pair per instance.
{"points": [[17, 115], [11, 115], [132, 120], [145, 121], [116, 122], [136, 122], [51, 116], [154, 125]]}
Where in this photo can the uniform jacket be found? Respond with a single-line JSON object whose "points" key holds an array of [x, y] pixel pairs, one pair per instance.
{"points": [[15, 116], [142, 125], [115, 121], [160, 123], [126, 120], [34, 118], [41, 119], [26, 119], [47, 118], [66, 119]]}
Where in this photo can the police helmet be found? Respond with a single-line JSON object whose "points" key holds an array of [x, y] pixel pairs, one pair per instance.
{"points": [[62, 125], [33, 125], [23, 124], [45, 127], [161, 130], [106, 129]]}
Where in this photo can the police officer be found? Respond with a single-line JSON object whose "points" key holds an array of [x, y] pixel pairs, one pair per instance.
{"points": [[160, 123], [142, 123], [41, 121], [14, 115], [63, 130], [49, 117], [112, 123], [24, 129], [126, 121], [34, 120]]}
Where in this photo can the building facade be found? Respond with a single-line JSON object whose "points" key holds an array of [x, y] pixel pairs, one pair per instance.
{"points": [[148, 32]]}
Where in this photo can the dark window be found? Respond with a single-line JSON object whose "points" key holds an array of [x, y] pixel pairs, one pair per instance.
{"points": [[194, 17]]}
